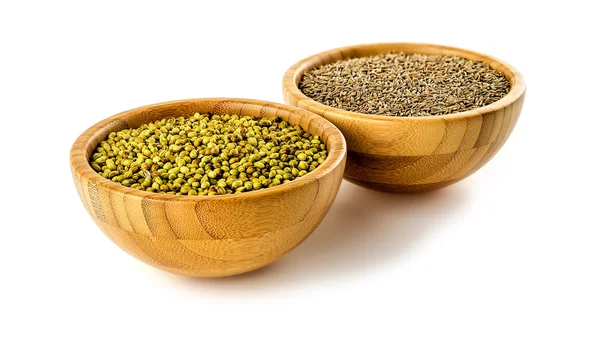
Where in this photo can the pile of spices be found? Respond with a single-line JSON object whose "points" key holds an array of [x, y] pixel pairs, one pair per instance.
{"points": [[398, 84], [208, 155]]}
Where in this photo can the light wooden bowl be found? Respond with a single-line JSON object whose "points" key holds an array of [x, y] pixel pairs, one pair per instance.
{"points": [[409, 154], [209, 236]]}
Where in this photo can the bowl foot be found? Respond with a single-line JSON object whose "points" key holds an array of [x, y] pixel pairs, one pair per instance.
{"points": [[401, 188]]}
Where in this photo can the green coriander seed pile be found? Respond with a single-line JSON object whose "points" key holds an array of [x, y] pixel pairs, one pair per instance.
{"points": [[208, 155], [398, 84]]}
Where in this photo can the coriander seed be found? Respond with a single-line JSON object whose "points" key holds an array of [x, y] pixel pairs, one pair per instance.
{"points": [[208, 154]]}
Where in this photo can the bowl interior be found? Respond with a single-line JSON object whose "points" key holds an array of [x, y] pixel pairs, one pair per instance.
{"points": [[86, 143], [298, 70]]}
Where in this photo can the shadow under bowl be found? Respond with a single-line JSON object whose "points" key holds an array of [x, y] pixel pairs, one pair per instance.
{"points": [[209, 236], [413, 154]]}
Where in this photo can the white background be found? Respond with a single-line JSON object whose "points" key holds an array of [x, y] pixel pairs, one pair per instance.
{"points": [[505, 261]]}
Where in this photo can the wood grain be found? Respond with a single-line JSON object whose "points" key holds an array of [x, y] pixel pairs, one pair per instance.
{"points": [[209, 235], [413, 154]]}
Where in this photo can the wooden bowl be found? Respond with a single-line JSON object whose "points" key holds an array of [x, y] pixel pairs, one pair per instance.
{"points": [[409, 154], [209, 236]]}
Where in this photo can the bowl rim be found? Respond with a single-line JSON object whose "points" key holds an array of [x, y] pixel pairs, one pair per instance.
{"points": [[517, 88], [81, 167]]}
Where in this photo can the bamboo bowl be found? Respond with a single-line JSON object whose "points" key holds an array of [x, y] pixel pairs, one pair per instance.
{"points": [[209, 236], [412, 154]]}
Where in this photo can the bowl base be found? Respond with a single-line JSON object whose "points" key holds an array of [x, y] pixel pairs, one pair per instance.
{"points": [[401, 188]]}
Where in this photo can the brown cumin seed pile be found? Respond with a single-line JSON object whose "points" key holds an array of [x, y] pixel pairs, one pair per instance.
{"points": [[399, 84]]}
